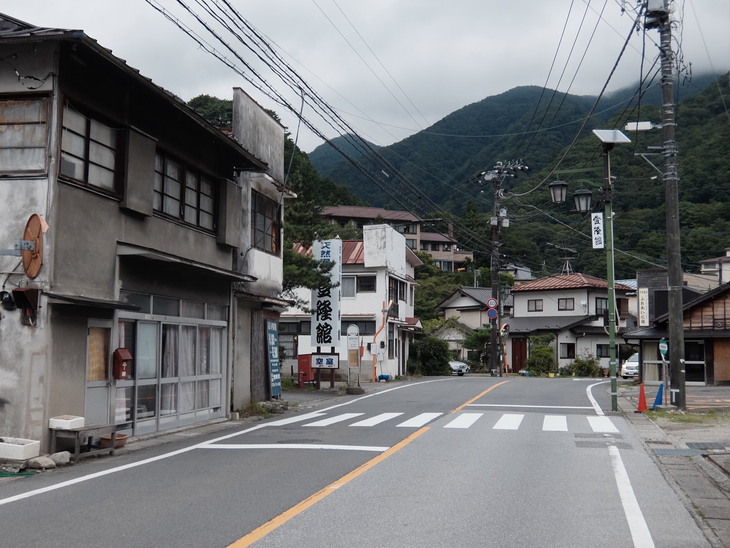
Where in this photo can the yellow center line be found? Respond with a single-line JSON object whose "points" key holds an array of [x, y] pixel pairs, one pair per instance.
{"points": [[260, 532], [475, 398]]}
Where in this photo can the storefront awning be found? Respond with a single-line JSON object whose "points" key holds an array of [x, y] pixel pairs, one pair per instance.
{"points": [[129, 250], [86, 301]]}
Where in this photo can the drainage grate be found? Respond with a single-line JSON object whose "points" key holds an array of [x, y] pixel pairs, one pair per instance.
{"points": [[677, 452], [706, 445]]}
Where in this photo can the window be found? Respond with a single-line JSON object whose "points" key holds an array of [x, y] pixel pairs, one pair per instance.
{"points": [[364, 327], [435, 246], [265, 223], [183, 193], [602, 351], [566, 304], [392, 341], [88, 151], [424, 246], [567, 351], [348, 286], [366, 284], [23, 135], [447, 247], [601, 305], [534, 305], [410, 242]]}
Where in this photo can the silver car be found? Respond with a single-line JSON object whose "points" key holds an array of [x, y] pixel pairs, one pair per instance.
{"points": [[630, 367], [460, 368]]}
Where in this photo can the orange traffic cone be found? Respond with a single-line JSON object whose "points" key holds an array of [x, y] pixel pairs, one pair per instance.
{"points": [[642, 400]]}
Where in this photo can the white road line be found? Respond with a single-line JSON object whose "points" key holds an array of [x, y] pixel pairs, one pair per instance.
{"points": [[335, 419], [465, 420], [637, 525], [593, 401], [508, 422], [377, 419], [602, 424], [419, 420], [555, 423], [373, 448], [292, 420], [529, 406]]}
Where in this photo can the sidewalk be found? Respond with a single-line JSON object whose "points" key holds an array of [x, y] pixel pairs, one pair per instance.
{"points": [[693, 456]]}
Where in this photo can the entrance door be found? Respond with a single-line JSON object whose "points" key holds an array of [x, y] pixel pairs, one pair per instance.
{"points": [[519, 354], [98, 384]]}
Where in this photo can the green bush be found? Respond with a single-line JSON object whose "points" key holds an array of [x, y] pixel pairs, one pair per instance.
{"points": [[541, 360], [583, 366], [430, 356]]}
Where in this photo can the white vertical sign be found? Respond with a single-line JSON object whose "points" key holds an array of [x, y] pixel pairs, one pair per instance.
{"points": [[326, 300], [597, 233], [643, 307]]}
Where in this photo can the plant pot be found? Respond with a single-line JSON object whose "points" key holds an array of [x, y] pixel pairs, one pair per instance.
{"points": [[119, 440], [19, 448]]}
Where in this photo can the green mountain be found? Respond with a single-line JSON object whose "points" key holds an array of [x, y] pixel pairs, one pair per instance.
{"points": [[434, 174], [526, 123]]}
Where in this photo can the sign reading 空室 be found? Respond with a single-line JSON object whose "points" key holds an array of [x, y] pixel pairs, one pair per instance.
{"points": [[326, 300]]}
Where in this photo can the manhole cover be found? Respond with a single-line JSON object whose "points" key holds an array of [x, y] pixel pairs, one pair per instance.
{"points": [[677, 452], [706, 445]]}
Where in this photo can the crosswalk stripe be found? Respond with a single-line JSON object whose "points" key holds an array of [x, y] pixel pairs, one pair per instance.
{"points": [[555, 423], [509, 421], [465, 420], [602, 424], [377, 419], [335, 419], [419, 420]]}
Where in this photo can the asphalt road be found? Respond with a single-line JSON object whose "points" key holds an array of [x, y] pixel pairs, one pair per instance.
{"points": [[460, 461]]}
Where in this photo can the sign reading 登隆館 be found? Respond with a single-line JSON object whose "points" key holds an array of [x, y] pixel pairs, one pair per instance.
{"points": [[597, 233], [326, 300]]}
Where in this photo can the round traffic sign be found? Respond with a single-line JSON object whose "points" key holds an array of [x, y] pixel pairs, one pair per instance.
{"points": [[492, 303], [492, 313], [663, 347]]}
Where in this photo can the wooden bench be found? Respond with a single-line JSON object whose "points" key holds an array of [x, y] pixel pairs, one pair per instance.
{"points": [[85, 434]]}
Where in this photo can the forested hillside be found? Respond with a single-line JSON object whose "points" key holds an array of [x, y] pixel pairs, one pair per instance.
{"points": [[443, 161]]}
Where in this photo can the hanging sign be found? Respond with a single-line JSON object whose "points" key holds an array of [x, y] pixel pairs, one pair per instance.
{"points": [[597, 233], [326, 300]]}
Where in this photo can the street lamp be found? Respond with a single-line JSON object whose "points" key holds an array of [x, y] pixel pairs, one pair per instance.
{"points": [[558, 190]]}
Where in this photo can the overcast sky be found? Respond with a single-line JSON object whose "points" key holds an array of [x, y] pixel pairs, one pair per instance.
{"points": [[391, 68]]}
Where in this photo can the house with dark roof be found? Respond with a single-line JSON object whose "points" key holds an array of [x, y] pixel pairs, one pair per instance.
{"points": [[444, 248], [706, 322], [573, 308], [149, 264]]}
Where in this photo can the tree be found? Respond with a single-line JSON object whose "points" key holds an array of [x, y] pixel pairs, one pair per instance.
{"points": [[218, 112]]}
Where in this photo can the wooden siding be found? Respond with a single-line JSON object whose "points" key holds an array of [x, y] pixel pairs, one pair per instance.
{"points": [[709, 316]]}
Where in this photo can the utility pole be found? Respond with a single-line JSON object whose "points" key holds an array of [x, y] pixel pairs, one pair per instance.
{"points": [[498, 174], [658, 16]]}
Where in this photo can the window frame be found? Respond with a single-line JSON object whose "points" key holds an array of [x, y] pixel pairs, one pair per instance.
{"points": [[90, 137], [266, 224], [29, 144], [189, 196], [532, 305], [600, 310], [566, 303]]}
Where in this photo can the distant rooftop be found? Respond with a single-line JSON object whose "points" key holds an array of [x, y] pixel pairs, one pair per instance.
{"points": [[567, 281]]}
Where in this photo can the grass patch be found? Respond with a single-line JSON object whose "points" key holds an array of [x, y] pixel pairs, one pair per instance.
{"points": [[689, 418]]}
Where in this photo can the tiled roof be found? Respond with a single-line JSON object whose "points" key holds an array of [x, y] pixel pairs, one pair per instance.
{"points": [[361, 212], [353, 251], [566, 281], [436, 237]]}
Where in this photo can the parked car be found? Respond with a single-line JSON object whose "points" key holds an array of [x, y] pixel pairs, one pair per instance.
{"points": [[459, 367], [630, 367]]}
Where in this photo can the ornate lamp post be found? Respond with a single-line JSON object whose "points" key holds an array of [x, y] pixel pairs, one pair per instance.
{"points": [[601, 235]]}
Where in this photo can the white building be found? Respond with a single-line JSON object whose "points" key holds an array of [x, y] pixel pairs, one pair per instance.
{"points": [[376, 271], [571, 307]]}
